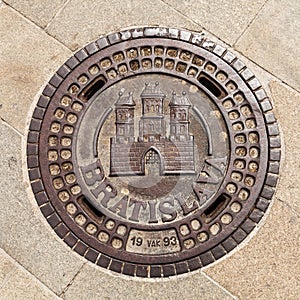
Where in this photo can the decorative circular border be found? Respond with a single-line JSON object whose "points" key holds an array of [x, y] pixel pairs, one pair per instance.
{"points": [[150, 270]]}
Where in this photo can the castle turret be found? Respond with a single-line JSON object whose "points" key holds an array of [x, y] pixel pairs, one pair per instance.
{"points": [[152, 123], [179, 117], [125, 118]]}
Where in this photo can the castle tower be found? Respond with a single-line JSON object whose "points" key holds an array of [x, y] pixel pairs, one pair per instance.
{"points": [[125, 118], [152, 123], [179, 117]]}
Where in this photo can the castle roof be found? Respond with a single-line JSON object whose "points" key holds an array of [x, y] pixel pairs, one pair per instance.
{"points": [[152, 91], [125, 99], [180, 100]]}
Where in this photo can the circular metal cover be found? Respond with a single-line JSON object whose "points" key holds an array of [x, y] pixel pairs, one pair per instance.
{"points": [[153, 152]]}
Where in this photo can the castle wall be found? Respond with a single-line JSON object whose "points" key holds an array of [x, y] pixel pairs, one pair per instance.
{"points": [[128, 158]]}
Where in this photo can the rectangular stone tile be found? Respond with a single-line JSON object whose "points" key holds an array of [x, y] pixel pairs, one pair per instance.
{"points": [[28, 57], [288, 111], [75, 28], [38, 11], [25, 234], [268, 266], [92, 283], [20, 284], [226, 19], [273, 40]]}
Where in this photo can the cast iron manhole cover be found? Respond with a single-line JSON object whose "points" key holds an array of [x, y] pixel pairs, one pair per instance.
{"points": [[153, 152]]}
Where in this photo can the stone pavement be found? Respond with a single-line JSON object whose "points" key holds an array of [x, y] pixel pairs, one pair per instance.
{"points": [[36, 38]]}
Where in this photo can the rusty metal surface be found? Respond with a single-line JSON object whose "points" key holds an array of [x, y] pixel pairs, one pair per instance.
{"points": [[153, 152]]}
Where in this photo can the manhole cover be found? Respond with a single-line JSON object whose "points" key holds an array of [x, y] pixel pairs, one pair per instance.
{"points": [[153, 152]]}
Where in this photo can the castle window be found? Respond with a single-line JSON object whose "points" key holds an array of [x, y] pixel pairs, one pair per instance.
{"points": [[151, 127], [182, 129], [121, 130]]}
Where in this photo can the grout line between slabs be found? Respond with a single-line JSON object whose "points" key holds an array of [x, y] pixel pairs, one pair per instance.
{"points": [[219, 285], [250, 23], [294, 89], [10, 273], [265, 70], [62, 43], [180, 13], [23, 269], [194, 22], [65, 290], [56, 14], [288, 206], [234, 44], [11, 127], [19, 12], [38, 27]]}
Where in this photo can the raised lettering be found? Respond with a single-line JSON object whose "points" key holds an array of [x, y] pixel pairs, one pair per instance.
{"points": [[90, 175], [137, 206], [153, 243], [166, 207], [120, 207], [218, 163], [208, 175], [152, 211], [185, 208], [212, 173], [107, 190], [202, 193]]}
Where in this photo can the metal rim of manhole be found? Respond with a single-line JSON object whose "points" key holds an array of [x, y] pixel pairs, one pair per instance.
{"points": [[153, 152]]}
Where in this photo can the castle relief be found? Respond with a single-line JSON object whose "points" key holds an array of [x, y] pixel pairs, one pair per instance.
{"points": [[133, 155]]}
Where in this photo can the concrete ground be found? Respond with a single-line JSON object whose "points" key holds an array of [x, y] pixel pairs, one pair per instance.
{"points": [[36, 37]]}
